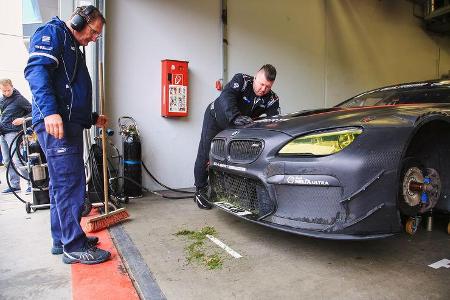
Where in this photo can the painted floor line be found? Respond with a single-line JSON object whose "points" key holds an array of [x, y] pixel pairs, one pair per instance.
{"points": [[224, 246], [443, 263]]}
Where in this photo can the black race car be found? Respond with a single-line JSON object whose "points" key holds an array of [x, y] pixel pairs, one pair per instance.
{"points": [[359, 170]]}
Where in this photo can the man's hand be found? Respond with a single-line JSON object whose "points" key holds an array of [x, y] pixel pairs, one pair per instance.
{"points": [[242, 120], [18, 121], [54, 126], [102, 120]]}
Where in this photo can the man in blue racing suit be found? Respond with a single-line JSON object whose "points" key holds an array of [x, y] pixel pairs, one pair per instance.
{"points": [[61, 110], [243, 99]]}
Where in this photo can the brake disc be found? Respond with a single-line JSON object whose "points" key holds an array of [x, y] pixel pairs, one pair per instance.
{"points": [[412, 197]]}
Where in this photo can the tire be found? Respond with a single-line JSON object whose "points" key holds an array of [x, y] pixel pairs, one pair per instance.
{"points": [[404, 208], [28, 207]]}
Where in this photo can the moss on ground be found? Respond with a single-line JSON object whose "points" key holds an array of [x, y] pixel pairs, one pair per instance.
{"points": [[196, 251]]}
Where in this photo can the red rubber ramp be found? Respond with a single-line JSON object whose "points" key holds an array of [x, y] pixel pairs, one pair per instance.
{"points": [[108, 280]]}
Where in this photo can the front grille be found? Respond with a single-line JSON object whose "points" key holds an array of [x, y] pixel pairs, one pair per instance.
{"points": [[310, 204], [218, 148], [245, 150], [246, 193]]}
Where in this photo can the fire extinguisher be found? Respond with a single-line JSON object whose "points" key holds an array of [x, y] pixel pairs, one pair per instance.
{"points": [[132, 157]]}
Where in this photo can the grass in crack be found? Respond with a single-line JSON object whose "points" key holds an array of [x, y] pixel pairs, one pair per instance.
{"points": [[197, 251]]}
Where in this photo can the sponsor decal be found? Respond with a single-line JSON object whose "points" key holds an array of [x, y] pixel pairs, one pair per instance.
{"points": [[305, 181], [61, 150], [46, 39], [404, 86], [233, 208], [235, 132], [229, 167], [271, 120], [41, 47]]}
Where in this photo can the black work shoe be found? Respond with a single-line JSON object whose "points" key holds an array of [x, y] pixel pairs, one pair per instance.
{"points": [[201, 198], [91, 241], [87, 256]]}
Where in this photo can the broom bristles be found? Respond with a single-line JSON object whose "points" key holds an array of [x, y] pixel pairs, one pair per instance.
{"points": [[106, 220]]}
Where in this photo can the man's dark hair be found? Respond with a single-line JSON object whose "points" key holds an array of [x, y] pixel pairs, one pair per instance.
{"points": [[269, 71]]}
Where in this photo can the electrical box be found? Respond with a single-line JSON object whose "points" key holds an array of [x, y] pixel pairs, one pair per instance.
{"points": [[174, 93]]}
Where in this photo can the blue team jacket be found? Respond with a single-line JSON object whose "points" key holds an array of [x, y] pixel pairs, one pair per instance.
{"points": [[49, 71]]}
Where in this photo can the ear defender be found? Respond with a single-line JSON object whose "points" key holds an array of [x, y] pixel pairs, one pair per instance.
{"points": [[81, 17]]}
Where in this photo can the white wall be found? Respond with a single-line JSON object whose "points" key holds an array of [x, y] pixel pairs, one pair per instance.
{"points": [[13, 53], [325, 51], [376, 43], [141, 34], [289, 34]]}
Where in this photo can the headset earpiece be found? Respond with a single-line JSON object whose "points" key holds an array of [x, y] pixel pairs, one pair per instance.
{"points": [[81, 17]]}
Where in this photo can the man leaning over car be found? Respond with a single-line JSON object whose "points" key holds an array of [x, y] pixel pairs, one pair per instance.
{"points": [[243, 99]]}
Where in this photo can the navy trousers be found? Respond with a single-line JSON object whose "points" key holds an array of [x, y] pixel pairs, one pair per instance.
{"points": [[211, 127], [67, 184]]}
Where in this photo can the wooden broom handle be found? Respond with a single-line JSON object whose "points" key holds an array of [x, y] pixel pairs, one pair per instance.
{"points": [[104, 160]]}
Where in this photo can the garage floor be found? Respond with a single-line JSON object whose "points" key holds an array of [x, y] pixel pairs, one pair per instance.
{"points": [[273, 264], [280, 265]]}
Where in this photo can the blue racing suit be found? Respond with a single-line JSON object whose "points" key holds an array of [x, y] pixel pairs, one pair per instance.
{"points": [[60, 84]]}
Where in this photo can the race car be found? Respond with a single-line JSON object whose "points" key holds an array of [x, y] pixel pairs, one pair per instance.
{"points": [[366, 168]]}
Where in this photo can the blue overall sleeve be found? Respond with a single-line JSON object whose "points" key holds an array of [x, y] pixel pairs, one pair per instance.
{"points": [[45, 49]]}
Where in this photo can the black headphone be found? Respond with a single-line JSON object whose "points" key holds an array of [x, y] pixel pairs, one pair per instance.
{"points": [[81, 17]]}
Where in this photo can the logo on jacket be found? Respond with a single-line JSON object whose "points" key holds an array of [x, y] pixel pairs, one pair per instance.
{"points": [[46, 39], [235, 85], [61, 150]]}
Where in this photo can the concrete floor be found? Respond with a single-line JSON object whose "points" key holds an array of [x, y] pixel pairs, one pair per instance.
{"points": [[27, 269], [274, 264], [281, 265]]}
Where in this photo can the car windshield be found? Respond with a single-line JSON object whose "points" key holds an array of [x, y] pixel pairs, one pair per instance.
{"points": [[391, 96]]}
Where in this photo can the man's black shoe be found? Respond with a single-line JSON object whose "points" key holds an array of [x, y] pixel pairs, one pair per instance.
{"points": [[88, 256], [201, 198], [91, 241]]}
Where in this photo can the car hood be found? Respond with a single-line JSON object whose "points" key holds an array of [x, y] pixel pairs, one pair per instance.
{"points": [[312, 120]]}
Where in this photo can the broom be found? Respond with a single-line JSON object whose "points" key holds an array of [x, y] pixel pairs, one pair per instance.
{"points": [[108, 218]]}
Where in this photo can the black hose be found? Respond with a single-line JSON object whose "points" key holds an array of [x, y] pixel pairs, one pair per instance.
{"points": [[9, 183], [163, 185]]}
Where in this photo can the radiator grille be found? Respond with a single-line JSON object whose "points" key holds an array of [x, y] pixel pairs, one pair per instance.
{"points": [[310, 204], [245, 150], [218, 148], [246, 193]]}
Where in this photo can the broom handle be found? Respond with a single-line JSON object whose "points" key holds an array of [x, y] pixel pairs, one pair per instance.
{"points": [[104, 160]]}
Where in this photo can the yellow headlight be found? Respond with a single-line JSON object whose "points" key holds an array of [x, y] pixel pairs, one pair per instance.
{"points": [[324, 143]]}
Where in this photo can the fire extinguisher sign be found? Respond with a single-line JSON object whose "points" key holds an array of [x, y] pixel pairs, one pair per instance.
{"points": [[178, 79]]}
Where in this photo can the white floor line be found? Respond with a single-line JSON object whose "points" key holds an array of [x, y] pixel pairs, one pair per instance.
{"points": [[443, 263], [223, 246]]}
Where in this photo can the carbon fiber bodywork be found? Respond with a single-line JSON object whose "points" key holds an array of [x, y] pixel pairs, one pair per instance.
{"points": [[352, 194]]}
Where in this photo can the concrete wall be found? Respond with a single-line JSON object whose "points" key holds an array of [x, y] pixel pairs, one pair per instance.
{"points": [[141, 34], [325, 51]]}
